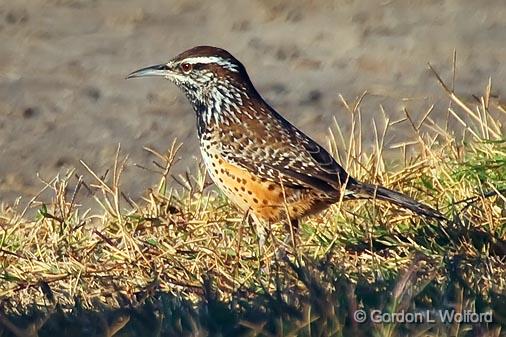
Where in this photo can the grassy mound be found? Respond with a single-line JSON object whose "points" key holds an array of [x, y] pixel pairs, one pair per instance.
{"points": [[185, 262]]}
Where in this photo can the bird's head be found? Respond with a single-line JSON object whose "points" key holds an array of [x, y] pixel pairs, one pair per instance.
{"points": [[211, 78]]}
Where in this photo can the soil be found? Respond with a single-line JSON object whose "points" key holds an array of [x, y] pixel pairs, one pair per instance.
{"points": [[64, 97]]}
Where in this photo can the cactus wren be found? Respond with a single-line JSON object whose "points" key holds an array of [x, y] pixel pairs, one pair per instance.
{"points": [[262, 163]]}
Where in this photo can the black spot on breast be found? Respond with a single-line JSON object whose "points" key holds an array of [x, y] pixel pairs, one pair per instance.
{"points": [[255, 200]]}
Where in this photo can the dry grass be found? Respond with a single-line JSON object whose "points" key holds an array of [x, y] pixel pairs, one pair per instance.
{"points": [[186, 241]]}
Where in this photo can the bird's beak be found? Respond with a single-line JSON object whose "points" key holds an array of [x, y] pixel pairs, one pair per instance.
{"points": [[156, 70]]}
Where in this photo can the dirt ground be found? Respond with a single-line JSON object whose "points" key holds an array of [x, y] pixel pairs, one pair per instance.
{"points": [[63, 96]]}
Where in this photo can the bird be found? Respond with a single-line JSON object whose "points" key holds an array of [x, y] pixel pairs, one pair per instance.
{"points": [[264, 164]]}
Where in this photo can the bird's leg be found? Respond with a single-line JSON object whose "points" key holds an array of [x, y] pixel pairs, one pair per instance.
{"points": [[292, 227], [261, 233]]}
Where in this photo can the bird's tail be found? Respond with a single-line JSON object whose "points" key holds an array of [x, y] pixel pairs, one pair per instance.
{"points": [[370, 191]]}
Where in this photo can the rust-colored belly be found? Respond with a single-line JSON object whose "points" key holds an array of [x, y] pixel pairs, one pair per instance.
{"points": [[268, 200]]}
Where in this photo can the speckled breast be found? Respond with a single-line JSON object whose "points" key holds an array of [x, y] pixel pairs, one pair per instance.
{"points": [[266, 199]]}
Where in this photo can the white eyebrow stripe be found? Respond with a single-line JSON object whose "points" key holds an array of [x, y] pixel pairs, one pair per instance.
{"points": [[212, 59]]}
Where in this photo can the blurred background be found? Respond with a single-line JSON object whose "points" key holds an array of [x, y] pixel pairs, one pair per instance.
{"points": [[63, 97]]}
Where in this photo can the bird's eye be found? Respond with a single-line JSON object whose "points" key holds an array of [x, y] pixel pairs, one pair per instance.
{"points": [[186, 67]]}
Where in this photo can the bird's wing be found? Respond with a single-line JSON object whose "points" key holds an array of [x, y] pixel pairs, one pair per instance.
{"points": [[279, 152]]}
